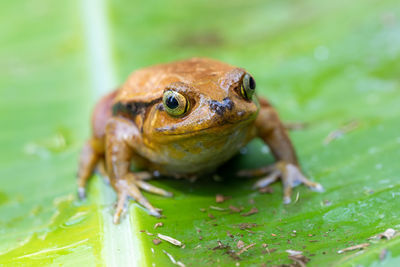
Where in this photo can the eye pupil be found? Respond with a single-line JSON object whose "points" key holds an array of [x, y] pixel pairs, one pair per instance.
{"points": [[172, 102], [252, 83]]}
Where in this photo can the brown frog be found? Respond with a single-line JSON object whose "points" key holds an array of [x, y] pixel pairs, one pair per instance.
{"points": [[183, 119]]}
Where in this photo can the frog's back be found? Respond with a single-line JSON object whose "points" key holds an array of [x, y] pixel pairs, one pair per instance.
{"points": [[148, 84]]}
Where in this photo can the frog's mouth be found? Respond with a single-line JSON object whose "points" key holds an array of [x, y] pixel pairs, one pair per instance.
{"points": [[221, 127]]}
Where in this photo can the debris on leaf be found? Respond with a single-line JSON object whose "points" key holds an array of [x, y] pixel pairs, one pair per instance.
{"points": [[229, 234], [148, 233], [202, 209], [159, 224], [170, 240], [294, 252], [211, 216], [235, 209], [266, 190], [156, 241], [251, 212], [243, 226], [217, 208], [240, 244], [269, 251], [297, 197], [220, 246], [388, 234], [173, 260], [219, 198], [246, 248], [273, 234], [299, 260], [348, 127], [360, 246], [228, 249]]}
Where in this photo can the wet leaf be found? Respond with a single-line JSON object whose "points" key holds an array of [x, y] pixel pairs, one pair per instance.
{"points": [[330, 65]]}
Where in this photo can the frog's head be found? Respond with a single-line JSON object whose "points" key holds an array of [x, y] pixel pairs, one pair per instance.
{"points": [[206, 102]]}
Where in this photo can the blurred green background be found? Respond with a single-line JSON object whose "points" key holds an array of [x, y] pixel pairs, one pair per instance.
{"points": [[324, 63]]}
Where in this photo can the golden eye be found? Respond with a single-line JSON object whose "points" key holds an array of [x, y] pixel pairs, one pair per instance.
{"points": [[248, 86], [175, 103]]}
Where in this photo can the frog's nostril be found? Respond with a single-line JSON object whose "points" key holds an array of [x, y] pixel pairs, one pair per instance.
{"points": [[221, 107]]}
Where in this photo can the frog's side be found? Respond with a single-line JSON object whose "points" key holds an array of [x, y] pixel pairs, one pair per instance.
{"points": [[213, 115]]}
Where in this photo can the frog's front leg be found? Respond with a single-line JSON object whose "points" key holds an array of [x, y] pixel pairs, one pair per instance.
{"points": [[122, 137], [272, 131]]}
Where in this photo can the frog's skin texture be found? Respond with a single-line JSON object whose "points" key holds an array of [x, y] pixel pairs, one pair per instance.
{"points": [[132, 123]]}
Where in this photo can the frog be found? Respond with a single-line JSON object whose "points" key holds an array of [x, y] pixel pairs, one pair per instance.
{"points": [[184, 119]]}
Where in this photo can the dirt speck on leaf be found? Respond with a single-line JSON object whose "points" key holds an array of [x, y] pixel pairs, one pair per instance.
{"points": [[235, 209], [219, 198], [159, 224], [243, 226], [246, 248], [240, 244], [156, 241], [250, 212]]}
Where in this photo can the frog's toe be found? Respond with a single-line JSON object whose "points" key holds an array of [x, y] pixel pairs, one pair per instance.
{"points": [[133, 191], [290, 175], [153, 189], [122, 198], [269, 179], [81, 193]]}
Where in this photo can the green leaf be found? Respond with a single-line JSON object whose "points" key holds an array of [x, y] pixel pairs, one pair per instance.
{"points": [[326, 64]]}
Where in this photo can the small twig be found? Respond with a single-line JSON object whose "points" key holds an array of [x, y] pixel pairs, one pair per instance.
{"points": [[170, 240], [352, 125], [246, 248], [360, 246]]}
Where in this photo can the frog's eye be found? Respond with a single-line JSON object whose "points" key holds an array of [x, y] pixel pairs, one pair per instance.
{"points": [[248, 86], [175, 103]]}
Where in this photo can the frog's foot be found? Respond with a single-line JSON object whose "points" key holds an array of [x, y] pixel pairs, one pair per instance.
{"points": [[130, 187], [290, 175], [87, 163]]}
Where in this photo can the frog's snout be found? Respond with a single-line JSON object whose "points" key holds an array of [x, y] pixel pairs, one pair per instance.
{"points": [[221, 107]]}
